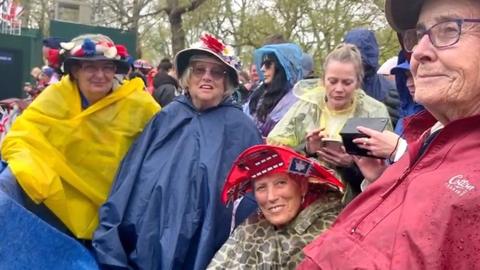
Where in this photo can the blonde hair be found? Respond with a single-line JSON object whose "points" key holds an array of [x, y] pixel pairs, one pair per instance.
{"points": [[347, 53], [228, 84]]}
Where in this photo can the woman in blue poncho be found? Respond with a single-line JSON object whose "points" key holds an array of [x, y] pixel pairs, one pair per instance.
{"points": [[164, 210]]}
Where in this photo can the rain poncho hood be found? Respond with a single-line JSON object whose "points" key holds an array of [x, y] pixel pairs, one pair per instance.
{"points": [[407, 105], [67, 157], [290, 57], [374, 85], [164, 210], [304, 115]]}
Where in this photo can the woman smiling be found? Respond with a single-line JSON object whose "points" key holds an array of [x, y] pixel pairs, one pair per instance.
{"points": [[65, 148], [298, 199], [167, 191]]}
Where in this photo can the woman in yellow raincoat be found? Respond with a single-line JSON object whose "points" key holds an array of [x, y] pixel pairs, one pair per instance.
{"points": [[64, 150]]}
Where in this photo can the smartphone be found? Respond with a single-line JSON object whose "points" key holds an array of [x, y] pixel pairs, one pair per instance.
{"points": [[331, 144]]}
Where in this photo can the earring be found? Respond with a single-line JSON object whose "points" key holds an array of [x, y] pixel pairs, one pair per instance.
{"points": [[303, 199]]}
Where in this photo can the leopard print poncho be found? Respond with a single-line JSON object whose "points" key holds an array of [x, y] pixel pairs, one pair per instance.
{"points": [[256, 244]]}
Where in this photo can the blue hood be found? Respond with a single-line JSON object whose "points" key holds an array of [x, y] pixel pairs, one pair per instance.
{"points": [[288, 54], [367, 43], [373, 84], [407, 105]]}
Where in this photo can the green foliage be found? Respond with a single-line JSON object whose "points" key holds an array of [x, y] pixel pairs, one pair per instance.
{"points": [[316, 25]]}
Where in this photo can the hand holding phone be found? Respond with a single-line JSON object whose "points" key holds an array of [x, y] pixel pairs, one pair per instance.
{"points": [[333, 145]]}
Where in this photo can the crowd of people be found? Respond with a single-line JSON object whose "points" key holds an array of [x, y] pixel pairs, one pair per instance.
{"points": [[198, 164]]}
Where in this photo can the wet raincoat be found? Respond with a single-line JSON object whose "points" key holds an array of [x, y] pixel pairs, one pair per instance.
{"points": [[30, 243], [407, 107], [66, 157], [164, 211], [422, 213], [306, 115], [289, 56]]}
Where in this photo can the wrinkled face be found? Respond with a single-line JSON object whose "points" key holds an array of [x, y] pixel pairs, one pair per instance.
{"points": [[94, 78], [207, 83], [340, 84], [268, 69], [279, 197], [447, 80]]}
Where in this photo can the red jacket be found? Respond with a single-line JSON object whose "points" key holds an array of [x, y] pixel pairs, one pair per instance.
{"points": [[417, 215]]}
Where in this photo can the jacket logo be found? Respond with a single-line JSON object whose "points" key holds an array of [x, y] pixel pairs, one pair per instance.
{"points": [[460, 185]]}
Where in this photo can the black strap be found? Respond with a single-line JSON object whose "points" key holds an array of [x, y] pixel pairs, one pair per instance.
{"points": [[426, 143]]}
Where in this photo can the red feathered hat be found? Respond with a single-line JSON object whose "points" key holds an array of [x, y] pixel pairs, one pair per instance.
{"points": [[262, 160]]}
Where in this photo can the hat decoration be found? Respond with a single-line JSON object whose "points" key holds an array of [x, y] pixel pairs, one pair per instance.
{"points": [[89, 48], [226, 52], [53, 57], [261, 160]]}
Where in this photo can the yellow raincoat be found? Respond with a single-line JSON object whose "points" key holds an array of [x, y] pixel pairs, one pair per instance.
{"points": [[66, 157]]}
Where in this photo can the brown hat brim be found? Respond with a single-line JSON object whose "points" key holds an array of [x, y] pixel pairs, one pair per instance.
{"points": [[403, 14]]}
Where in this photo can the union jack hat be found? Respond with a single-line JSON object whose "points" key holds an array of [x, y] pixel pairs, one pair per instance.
{"points": [[261, 160]]}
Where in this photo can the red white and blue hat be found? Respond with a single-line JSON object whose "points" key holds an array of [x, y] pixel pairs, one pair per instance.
{"points": [[261, 160], [93, 47]]}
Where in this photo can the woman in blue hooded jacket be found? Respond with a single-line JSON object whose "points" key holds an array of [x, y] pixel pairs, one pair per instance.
{"points": [[279, 68]]}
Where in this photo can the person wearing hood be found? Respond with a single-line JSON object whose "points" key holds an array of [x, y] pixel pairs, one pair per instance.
{"points": [[164, 210], [375, 85], [279, 67]]}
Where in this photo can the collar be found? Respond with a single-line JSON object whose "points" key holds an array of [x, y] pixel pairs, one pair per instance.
{"points": [[329, 202]]}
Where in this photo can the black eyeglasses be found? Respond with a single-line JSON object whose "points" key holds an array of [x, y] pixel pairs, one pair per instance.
{"points": [[216, 73], [441, 35], [267, 63]]}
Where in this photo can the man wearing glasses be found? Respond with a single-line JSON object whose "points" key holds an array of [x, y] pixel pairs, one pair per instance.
{"points": [[424, 211]]}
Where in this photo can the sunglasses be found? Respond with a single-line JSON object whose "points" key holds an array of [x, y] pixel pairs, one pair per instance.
{"points": [[267, 64], [216, 73]]}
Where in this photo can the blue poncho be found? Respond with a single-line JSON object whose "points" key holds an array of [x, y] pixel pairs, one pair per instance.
{"points": [[164, 210]]}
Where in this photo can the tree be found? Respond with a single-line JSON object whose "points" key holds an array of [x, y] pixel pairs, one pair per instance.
{"points": [[317, 26], [175, 10]]}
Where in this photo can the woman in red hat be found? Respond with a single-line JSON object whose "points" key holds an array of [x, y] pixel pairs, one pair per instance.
{"points": [[297, 198]]}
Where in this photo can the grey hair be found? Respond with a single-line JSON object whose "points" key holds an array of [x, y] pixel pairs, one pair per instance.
{"points": [[184, 81], [347, 53]]}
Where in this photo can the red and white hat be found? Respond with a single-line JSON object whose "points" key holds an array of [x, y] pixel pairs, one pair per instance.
{"points": [[260, 160], [210, 45]]}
